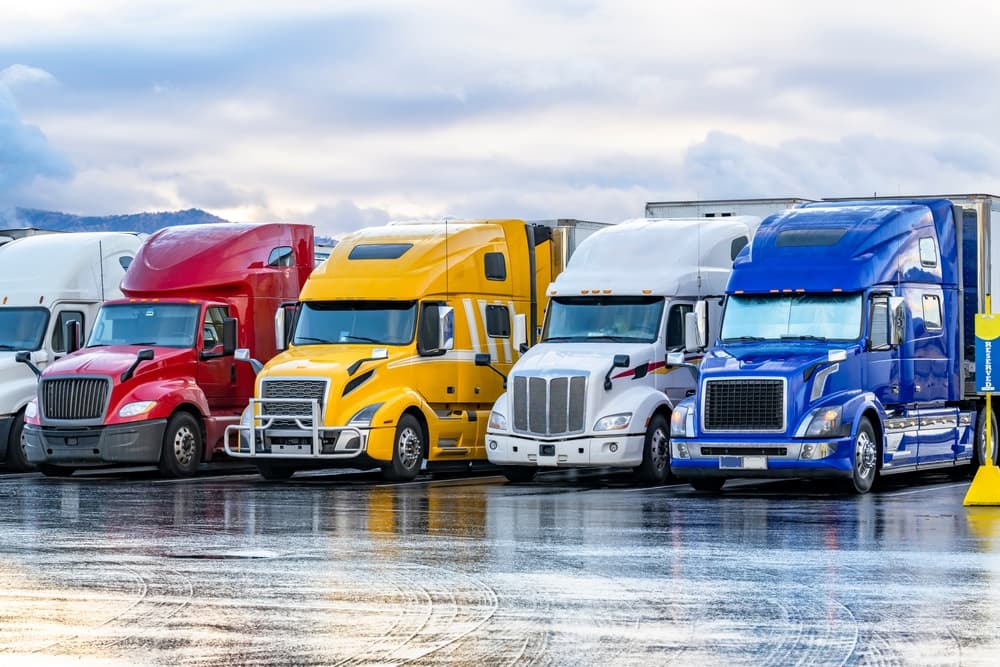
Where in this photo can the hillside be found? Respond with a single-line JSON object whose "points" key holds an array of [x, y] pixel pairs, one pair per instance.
{"points": [[135, 222]]}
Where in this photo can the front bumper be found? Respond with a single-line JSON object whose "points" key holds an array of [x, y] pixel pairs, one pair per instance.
{"points": [[574, 453], [320, 443], [775, 459], [137, 442]]}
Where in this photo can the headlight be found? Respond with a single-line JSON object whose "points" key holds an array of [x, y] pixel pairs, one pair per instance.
{"points": [[614, 422], [364, 416], [31, 409], [682, 420], [246, 419], [136, 408], [822, 423], [497, 422]]}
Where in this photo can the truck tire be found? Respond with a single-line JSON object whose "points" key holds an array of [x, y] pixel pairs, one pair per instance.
{"points": [[519, 474], [407, 450], [16, 461], [864, 458], [655, 466], [50, 470], [713, 484], [180, 454], [275, 471]]}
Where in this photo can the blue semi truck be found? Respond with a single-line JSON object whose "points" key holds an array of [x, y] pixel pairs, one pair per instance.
{"points": [[846, 348]]}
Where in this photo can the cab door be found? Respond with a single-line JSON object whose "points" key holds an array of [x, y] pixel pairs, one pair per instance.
{"points": [[217, 371], [677, 382]]}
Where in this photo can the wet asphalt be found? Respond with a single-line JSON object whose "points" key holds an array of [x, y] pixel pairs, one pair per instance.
{"points": [[579, 568]]}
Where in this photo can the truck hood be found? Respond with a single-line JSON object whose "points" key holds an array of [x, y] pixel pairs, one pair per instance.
{"points": [[767, 358], [113, 360], [592, 358], [328, 360]]}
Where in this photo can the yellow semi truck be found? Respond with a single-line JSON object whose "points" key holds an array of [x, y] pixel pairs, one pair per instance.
{"points": [[380, 369]]}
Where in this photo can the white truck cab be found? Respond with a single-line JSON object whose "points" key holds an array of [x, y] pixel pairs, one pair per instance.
{"points": [[596, 390], [47, 282]]}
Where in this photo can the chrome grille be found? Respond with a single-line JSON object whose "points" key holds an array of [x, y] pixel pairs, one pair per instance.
{"points": [[278, 389], [549, 405], [74, 398], [745, 405]]}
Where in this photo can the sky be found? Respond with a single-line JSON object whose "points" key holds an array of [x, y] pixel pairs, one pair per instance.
{"points": [[349, 113]]}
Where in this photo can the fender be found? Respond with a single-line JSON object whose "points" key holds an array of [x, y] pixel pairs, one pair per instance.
{"points": [[168, 394], [382, 431], [641, 401]]}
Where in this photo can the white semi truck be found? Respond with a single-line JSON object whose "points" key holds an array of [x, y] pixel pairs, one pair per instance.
{"points": [[51, 286], [596, 390]]}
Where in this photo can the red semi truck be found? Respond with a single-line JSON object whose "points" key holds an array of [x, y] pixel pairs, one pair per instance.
{"points": [[157, 382]]}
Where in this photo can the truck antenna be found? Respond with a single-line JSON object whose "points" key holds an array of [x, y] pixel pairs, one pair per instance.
{"points": [[447, 291], [100, 254]]}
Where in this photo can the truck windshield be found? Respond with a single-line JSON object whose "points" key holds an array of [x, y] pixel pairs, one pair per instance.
{"points": [[345, 322], [163, 324], [22, 328], [786, 316], [622, 319]]}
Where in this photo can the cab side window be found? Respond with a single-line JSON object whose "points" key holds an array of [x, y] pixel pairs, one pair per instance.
{"points": [[675, 325], [932, 312], [58, 333], [212, 330], [878, 330]]}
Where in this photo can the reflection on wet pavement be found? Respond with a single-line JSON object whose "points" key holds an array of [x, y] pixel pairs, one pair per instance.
{"points": [[572, 570]]}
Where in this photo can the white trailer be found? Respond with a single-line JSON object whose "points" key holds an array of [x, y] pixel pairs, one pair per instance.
{"points": [[721, 208], [595, 390], [48, 281]]}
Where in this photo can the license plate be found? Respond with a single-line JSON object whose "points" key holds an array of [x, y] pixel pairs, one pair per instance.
{"points": [[546, 450], [743, 462], [291, 449]]}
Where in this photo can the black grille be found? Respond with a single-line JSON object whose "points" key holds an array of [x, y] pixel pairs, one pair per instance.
{"points": [[744, 405], [74, 398], [308, 389], [744, 451], [549, 406]]}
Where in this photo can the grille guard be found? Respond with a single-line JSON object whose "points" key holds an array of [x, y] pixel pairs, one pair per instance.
{"points": [[262, 428]]}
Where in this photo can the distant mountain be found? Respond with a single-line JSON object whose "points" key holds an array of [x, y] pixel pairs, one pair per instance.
{"points": [[134, 222]]}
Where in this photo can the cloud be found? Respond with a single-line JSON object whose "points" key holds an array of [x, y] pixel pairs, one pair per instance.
{"points": [[343, 217], [216, 194], [25, 76], [25, 153]]}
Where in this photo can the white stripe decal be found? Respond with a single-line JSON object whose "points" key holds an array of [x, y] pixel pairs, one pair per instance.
{"points": [[491, 342], [470, 315]]}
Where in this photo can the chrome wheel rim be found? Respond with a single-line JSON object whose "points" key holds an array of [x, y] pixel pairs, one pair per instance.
{"points": [[982, 444], [409, 448], [658, 448], [864, 455], [184, 445]]}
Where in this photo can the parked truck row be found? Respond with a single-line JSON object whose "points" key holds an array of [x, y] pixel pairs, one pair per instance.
{"points": [[832, 339]]}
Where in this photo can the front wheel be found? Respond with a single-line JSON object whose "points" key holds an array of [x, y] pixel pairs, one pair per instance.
{"points": [[980, 453], [180, 454], [407, 450], [16, 460], [655, 466], [865, 459], [519, 474]]}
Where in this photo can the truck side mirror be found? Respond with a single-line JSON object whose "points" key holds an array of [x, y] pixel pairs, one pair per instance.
{"points": [[897, 320], [279, 329], [520, 331], [619, 361], [243, 354], [145, 354], [73, 335], [24, 357], [436, 334], [694, 330], [484, 359], [228, 336]]}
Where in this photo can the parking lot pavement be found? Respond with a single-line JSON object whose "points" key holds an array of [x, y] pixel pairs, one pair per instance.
{"points": [[578, 568]]}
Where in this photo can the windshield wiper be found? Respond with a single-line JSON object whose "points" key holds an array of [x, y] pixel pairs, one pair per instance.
{"points": [[613, 339], [7, 347], [801, 337], [302, 339], [742, 339], [364, 339]]}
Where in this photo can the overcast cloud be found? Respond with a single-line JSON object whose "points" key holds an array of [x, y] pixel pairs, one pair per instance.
{"points": [[354, 112]]}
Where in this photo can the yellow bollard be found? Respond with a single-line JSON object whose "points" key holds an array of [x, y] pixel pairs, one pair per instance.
{"points": [[985, 487]]}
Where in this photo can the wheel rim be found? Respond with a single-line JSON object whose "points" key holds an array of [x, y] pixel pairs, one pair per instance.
{"points": [[658, 448], [409, 448], [184, 445], [864, 455], [982, 444]]}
